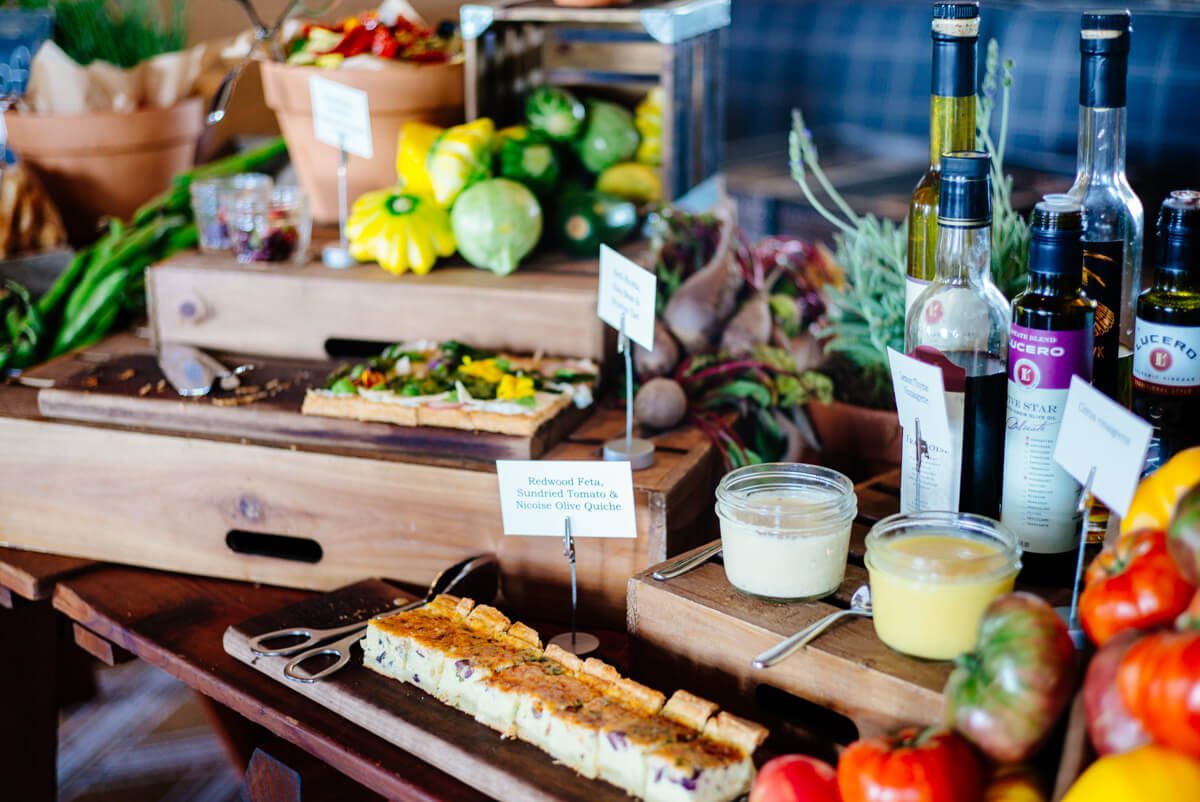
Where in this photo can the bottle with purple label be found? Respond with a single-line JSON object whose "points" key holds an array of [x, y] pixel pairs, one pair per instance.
{"points": [[1050, 341]]}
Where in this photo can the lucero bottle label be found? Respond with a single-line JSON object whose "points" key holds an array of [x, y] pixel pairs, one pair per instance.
{"points": [[1103, 266], [1166, 359], [1039, 496]]}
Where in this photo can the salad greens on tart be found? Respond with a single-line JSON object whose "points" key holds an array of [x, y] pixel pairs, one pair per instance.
{"points": [[455, 386], [582, 712]]}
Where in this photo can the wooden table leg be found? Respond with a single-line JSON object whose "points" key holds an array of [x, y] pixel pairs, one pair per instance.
{"points": [[28, 697]]}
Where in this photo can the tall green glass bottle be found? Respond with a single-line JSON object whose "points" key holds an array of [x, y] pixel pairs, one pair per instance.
{"points": [[951, 128]]}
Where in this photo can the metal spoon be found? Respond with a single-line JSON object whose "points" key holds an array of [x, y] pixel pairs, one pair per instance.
{"points": [[262, 34], [680, 567], [860, 604], [481, 574]]}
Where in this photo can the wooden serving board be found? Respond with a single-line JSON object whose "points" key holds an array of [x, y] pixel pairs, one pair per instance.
{"points": [[128, 389], [506, 769]]}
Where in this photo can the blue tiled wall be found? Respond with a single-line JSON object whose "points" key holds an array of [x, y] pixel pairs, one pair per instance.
{"points": [[867, 62]]}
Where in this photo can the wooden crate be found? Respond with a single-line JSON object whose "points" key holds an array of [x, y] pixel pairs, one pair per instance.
{"points": [[514, 45], [697, 623], [284, 310], [190, 502]]}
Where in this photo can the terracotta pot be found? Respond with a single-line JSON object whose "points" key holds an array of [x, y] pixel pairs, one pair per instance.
{"points": [[106, 163], [857, 441], [430, 93]]}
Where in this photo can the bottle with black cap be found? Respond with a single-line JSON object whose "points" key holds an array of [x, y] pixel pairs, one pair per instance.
{"points": [[951, 127], [1112, 213], [1166, 346], [1050, 341], [960, 324]]}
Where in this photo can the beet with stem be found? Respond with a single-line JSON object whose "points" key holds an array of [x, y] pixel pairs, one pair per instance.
{"points": [[662, 360], [660, 404], [698, 310], [749, 327]]}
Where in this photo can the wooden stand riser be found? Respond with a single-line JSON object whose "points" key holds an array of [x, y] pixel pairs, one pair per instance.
{"points": [[289, 311], [701, 633], [170, 502]]}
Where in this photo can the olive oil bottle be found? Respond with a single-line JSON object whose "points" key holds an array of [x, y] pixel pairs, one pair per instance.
{"points": [[959, 323], [1112, 213], [951, 128], [1050, 341], [1166, 347]]}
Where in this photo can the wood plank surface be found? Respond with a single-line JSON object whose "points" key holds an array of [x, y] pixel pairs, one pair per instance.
{"points": [[177, 622], [32, 575], [506, 769], [129, 389]]}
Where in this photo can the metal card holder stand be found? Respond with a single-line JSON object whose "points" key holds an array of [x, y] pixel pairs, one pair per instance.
{"points": [[922, 451], [638, 452], [338, 256], [1083, 507], [575, 642]]}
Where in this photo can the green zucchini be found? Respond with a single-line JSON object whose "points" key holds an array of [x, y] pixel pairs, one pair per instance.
{"points": [[588, 219]]}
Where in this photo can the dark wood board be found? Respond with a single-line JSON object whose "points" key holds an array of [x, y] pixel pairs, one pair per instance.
{"points": [[409, 718], [129, 390], [31, 574], [176, 622]]}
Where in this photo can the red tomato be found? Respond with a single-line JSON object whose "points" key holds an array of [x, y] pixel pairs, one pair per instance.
{"points": [[1133, 584], [1159, 680], [795, 778], [912, 766]]}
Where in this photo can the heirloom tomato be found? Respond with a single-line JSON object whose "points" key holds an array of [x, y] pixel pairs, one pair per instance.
{"points": [[1147, 774], [1159, 680], [912, 766], [1156, 496], [1006, 695], [1133, 584], [795, 778], [1183, 535], [1110, 724]]}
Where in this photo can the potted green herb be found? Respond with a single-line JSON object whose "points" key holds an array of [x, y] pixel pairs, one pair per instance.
{"points": [[859, 431], [110, 113]]}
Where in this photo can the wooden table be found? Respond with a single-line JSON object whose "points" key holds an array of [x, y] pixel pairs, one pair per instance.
{"points": [[176, 622]]}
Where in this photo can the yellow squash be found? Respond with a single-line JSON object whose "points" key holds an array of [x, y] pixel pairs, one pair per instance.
{"points": [[400, 230], [458, 158], [1155, 499], [411, 153], [1146, 774]]}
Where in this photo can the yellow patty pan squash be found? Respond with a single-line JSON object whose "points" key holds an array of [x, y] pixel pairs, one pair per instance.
{"points": [[400, 230], [412, 151], [458, 158]]}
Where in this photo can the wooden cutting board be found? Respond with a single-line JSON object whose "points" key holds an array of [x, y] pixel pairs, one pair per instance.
{"points": [[509, 770], [128, 389]]}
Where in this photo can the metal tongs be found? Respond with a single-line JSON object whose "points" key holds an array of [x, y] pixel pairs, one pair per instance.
{"points": [[482, 569]]}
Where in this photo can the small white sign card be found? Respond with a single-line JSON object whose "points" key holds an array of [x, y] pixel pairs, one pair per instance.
{"points": [[1098, 433], [341, 116], [537, 496], [627, 291], [920, 393]]}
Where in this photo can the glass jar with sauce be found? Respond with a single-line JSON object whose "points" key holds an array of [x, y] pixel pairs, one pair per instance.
{"points": [[785, 529], [933, 574]]}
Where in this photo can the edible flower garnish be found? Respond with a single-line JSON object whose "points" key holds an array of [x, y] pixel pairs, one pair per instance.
{"points": [[514, 388], [485, 369]]}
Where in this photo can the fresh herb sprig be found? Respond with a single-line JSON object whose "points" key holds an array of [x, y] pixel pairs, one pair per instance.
{"points": [[123, 33]]}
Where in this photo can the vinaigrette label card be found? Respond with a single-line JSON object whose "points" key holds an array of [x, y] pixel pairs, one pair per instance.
{"points": [[1098, 433]]}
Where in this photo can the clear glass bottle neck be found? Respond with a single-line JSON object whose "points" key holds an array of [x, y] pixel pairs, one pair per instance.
{"points": [[1101, 142], [964, 256]]}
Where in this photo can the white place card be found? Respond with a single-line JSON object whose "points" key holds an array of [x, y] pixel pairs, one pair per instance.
{"points": [[341, 116], [920, 395], [627, 291], [1099, 433], [537, 496]]}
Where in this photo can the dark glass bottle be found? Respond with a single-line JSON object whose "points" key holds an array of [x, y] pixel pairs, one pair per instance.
{"points": [[1050, 341], [955, 34], [960, 323], [1166, 355]]}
